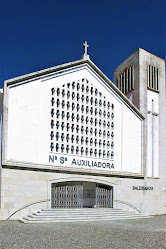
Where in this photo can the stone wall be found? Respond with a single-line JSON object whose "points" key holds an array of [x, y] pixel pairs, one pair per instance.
{"points": [[22, 187]]}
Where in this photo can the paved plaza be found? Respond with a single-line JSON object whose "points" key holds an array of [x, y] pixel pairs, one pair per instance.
{"points": [[124, 234]]}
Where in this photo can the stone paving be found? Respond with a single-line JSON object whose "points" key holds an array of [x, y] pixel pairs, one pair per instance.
{"points": [[124, 234]]}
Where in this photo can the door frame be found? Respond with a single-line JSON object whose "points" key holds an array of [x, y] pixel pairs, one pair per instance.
{"points": [[80, 179]]}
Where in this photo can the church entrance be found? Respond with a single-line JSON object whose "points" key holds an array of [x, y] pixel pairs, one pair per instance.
{"points": [[81, 195]]}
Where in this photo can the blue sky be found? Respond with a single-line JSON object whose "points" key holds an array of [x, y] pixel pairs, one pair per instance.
{"points": [[35, 35]]}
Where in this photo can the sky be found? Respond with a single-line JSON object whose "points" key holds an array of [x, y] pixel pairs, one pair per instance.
{"points": [[36, 35]]}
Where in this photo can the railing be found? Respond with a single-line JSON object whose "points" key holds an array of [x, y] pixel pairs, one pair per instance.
{"points": [[129, 204], [30, 204]]}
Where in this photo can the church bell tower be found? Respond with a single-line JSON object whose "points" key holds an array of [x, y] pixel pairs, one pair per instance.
{"points": [[141, 78]]}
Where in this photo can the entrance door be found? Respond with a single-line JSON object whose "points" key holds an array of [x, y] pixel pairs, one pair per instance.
{"points": [[89, 194], [67, 195], [103, 196], [81, 194]]}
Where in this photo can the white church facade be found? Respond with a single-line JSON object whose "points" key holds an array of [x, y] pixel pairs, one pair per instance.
{"points": [[71, 138]]}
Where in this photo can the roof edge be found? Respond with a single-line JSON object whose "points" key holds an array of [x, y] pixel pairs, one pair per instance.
{"points": [[43, 72], [73, 64]]}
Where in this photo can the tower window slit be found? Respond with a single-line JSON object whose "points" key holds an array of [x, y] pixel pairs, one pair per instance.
{"points": [[152, 81], [131, 78], [157, 80], [152, 77]]}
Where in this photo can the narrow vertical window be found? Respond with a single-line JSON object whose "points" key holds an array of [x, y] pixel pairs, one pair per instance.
{"points": [[149, 76], [126, 85], [152, 77], [157, 85], [122, 84], [132, 77], [128, 79]]}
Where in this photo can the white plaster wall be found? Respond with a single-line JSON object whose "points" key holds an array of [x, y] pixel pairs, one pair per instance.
{"points": [[29, 122], [155, 146], [131, 142], [153, 134], [155, 97], [24, 122], [149, 144]]}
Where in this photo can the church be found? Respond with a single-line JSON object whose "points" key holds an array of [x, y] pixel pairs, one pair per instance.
{"points": [[73, 139]]}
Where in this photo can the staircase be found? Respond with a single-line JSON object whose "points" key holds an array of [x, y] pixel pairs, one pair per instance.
{"points": [[85, 214]]}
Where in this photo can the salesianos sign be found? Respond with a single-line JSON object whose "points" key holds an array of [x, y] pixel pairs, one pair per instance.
{"points": [[79, 162], [142, 188]]}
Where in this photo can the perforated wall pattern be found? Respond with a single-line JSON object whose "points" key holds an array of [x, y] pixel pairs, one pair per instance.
{"points": [[81, 121]]}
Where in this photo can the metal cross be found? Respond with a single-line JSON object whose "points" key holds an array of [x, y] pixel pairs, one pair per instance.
{"points": [[86, 46]]}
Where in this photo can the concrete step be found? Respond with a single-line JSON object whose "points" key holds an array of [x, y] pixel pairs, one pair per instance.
{"points": [[81, 215], [73, 215], [80, 209], [78, 213], [30, 217], [25, 220]]}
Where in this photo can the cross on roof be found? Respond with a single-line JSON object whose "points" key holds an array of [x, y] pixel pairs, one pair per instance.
{"points": [[85, 56], [86, 46]]}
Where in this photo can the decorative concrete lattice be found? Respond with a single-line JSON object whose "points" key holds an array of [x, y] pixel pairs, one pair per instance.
{"points": [[82, 121]]}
